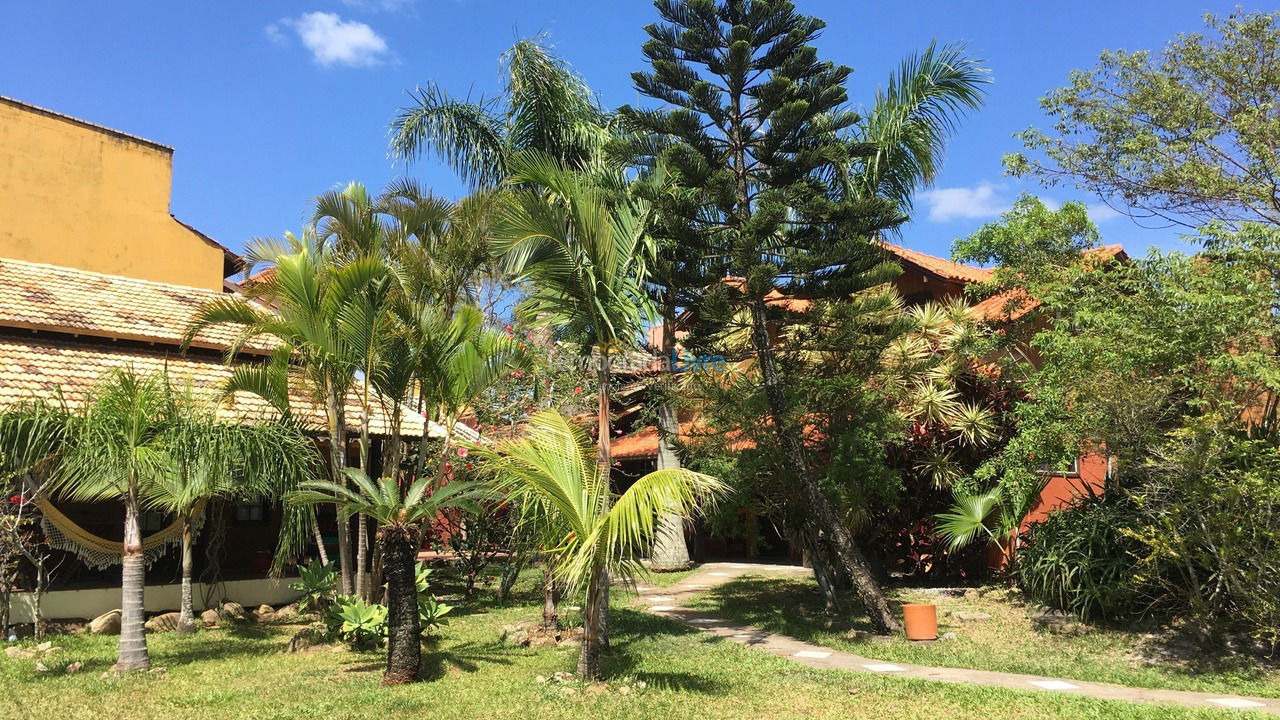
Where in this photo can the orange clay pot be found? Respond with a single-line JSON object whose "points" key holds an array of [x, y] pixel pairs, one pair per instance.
{"points": [[921, 621]]}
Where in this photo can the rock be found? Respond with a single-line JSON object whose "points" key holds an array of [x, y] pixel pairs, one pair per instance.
{"points": [[1056, 622], [624, 690], [40, 667], [971, 594], [542, 641], [264, 614], [234, 611], [971, 616], [947, 636], [288, 612], [107, 623], [17, 653], [596, 689], [540, 679], [45, 646], [167, 622], [306, 639], [74, 668], [210, 618]]}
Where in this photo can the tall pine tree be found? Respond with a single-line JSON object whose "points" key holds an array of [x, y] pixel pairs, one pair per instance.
{"points": [[757, 134]]}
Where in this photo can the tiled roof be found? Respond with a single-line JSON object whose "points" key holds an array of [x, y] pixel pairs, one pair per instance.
{"points": [[1014, 304], [36, 366], [79, 302], [939, 266], [643, 443]]}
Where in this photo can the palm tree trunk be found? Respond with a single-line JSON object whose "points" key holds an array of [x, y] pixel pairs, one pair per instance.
{"points": [[589, 654], [133, 640], [338, 461], [550, 600], [404, 631], [605, 461], [315, 532], [846, 550], [362, 524], [187, 616]]}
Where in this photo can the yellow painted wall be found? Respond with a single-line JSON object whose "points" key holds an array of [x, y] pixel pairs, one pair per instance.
{"points": [[85, 197]]}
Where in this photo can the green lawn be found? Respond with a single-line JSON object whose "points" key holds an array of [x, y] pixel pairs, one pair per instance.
{"points": [[1007, 642], [242, 672]]}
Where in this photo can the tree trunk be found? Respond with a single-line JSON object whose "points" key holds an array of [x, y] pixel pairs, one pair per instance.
{"points": [[362, 524], [187, 615], [337, 462], [550, 600], [589, 654], [315, 532], [404, 630], [133, 642], [670, 552], [822, 570], [842, 544], [605, 462]]}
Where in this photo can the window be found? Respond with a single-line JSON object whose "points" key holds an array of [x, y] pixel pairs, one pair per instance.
{"points": [[251, 512]]}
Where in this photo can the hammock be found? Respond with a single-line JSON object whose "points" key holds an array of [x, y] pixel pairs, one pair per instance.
{"points": [[97, 552]]}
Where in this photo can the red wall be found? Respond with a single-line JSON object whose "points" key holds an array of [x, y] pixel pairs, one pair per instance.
{"points": [[1062, 490]]}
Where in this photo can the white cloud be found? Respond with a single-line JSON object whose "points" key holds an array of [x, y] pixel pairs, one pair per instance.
{"points": [[1101, 212], [983, 201], [380, 5], [334, 41]]}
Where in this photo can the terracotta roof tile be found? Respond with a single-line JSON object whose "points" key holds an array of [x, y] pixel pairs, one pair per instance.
{"points": [[79, 302], [939, 266], [38, 367]]}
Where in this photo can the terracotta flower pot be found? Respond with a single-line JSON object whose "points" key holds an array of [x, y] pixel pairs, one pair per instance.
{"points": [[921, 621]]}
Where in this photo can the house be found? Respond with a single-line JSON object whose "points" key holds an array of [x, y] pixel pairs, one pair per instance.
{"points": [[96, 275], [924, 278]]}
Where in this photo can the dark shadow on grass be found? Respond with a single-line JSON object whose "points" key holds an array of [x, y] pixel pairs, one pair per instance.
{"points": [[468, 657], [787, 606], [628, 626]]}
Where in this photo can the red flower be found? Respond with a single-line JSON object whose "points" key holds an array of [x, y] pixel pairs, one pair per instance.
{"points": [[17, 499], [462, 452], [577, 390]]}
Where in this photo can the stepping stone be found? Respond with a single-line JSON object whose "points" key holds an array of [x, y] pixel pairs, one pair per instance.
{"points": [[878, 667], [1236, 703], [703, 621], [660, 598], [643, 589], [753, 636], [1054, 685], [813, 654], [721, 574], [662, 608]]}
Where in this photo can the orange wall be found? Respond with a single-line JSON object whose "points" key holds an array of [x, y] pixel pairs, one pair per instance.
{"points": [[1063, 490], [81, 196]]}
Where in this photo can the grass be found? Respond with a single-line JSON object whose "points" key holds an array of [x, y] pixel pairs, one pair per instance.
{"points": [[239, 672], [1008, 642]]}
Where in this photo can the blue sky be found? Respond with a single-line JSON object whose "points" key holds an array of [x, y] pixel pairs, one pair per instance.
{"points": [[270, 103]]}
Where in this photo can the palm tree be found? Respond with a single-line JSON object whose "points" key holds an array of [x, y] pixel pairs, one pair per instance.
{"points": [[545, 106], [582, 247], [399, 517], [305, 296], [592, 534], [216, 460]]}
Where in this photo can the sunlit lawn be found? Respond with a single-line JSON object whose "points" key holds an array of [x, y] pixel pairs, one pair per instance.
{"points": [[1007, 642], [243, 672]]}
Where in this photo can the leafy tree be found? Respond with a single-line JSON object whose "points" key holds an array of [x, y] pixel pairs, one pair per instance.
{"points": [[758, 136], [399, 536], [1185, 137], [551, 466]]}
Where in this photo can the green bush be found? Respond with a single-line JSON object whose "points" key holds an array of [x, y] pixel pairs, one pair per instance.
{"points": [[1082, 560], [356, 622], [316, 582]]}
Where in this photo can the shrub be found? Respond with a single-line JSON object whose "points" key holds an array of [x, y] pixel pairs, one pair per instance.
{"points": [[431, 611], [356, 622], [1082, 560], [316, 582]]}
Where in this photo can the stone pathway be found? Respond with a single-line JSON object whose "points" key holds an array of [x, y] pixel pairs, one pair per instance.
{"points": [[667, 603]]}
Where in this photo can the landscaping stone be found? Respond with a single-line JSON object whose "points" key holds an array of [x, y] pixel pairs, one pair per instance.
{"points": [[264, 614], [530, 633], [18, 653], [947, 636], [288, 612], [234, 611], [308, 638], [1056, 621], [971, 594], [107, 623], [74, 668], [209, 618], [167, 622]]}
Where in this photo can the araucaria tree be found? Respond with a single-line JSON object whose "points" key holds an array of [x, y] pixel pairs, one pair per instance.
{"points": [[758, 137]]}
